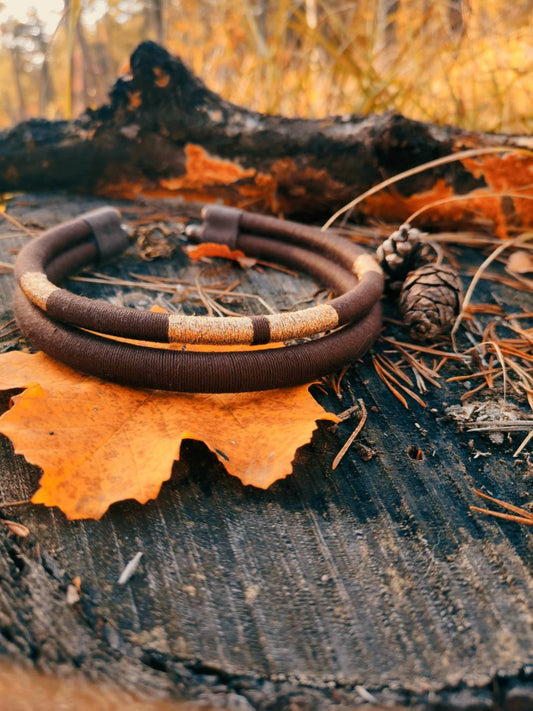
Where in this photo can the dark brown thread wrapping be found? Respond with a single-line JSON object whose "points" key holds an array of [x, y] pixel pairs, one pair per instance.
{"points": [[64, 264], [101, 316], [187, 371], [105, 224], [130, 323], [356, 302], [261, 330], [62, 307], [327, 242], [120, 321], [221, 225], [42, 249], [71, 261], [317, 265]]}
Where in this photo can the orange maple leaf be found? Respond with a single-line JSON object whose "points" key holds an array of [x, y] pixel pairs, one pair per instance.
{"points": [[98, 442]]}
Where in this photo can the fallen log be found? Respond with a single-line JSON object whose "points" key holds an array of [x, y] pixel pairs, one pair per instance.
{"points": [[164, 132]]}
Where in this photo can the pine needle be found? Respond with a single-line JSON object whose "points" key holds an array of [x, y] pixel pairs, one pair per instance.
{"points": [[392, 378], [469, 196], [381, 373], [508, 517], [16, 223], [479, 272], [418, 348], [352, 437], [21, 502], [525, 441], [523, 515]]}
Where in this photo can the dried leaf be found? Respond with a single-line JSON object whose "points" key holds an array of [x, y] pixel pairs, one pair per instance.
{"points": [[520, 262], [213, 249], [98, 442]]}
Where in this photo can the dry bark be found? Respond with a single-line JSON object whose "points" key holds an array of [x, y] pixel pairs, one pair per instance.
{"points": [[164, 132]]}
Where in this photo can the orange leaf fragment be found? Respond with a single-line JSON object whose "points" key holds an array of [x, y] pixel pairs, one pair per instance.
{"points": [[98, 442], [213, 249]]}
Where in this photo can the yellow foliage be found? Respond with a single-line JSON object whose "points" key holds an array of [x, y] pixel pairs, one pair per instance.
{"points": [[319, 57]]}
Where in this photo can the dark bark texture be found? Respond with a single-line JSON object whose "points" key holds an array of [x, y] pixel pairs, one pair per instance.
{"points": [[164, 132], [374, 578]]}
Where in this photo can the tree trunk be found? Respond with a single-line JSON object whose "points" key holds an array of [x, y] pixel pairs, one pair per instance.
{"points": [[157, 15], [388, 10], [455, 17], [17, 73], [164, 132]]}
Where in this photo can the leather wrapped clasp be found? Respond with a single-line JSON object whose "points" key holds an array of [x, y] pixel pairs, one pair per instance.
{"points": [[221, 225], [110, 237]]}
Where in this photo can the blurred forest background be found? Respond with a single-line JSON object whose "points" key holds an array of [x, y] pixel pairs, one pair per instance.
{"points": [[463, 62]]}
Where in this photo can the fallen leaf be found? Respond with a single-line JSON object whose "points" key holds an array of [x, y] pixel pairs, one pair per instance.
{"points": [[213, 249], [520, 262], [98, 442]]}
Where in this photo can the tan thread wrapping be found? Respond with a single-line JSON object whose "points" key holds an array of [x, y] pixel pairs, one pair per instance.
{"points": [[288, 325], [37, 288], [239, 330], [365, 263], [210, 329]]}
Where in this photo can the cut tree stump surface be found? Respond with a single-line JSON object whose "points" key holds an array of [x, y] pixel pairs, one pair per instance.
{"points": [[373, 578]]}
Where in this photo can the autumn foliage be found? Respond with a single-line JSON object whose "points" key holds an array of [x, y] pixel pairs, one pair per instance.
{"points": [[464, 63], [99, 443]]}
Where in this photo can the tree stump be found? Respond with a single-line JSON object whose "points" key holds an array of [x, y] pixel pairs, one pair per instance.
{"points": [[332, 588]]}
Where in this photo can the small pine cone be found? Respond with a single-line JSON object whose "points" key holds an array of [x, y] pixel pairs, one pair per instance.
{"points": [[430, 300], [400, 253]]}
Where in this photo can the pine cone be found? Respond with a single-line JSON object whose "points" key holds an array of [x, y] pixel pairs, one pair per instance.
{"points": [[430, 300], [400, 253]]}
